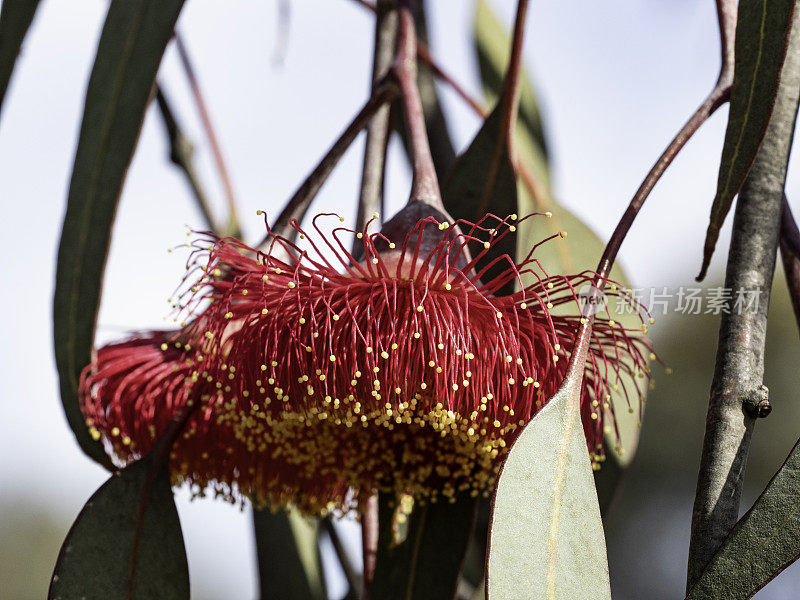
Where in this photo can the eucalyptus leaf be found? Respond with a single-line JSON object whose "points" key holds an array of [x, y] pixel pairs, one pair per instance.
{"points": [[126, 542], [546, 536], [483, 181], [427, 563], [131, 45], [764, 542], [289, 563], [16, 17], [761, 34]]}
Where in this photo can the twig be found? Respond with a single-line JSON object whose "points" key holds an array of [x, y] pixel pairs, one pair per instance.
{"points": [[511, 88], [369, 538], [301, 199], [738, 375], [216, 150], [424, 185], [790, 256], [442, 150], [718, 96], [372, 174], [350, 572], [181, 152]]}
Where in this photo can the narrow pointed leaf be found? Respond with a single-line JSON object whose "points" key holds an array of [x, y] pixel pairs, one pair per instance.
{"points": [[761, 34], [427, 563], [16, 17], [546, 536], [289, 563], [764, 542], [134, 37], [483, 181], [126, 542], [492, 46]]}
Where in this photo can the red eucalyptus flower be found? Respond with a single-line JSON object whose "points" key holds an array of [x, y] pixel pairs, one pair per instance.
{"points": [[313, 376]]}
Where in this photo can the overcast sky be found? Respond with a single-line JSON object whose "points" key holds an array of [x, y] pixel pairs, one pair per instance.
{"points": [[616, 81]]}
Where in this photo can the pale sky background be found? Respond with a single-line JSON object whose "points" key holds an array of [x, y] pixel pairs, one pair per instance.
{"points": [[616, 80]]}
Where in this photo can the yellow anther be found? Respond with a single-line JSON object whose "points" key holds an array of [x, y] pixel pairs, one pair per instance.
{"points": [[332, 358], [291, 285]]}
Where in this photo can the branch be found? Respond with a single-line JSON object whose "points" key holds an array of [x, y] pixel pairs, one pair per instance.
{"points": [[350, 573], [790, 255], [233, 220], [738, 376], [372, 174], [181, 153], [301, 200]]}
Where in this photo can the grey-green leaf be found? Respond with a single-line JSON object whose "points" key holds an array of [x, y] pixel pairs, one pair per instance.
{"points": [[126, 542], [764, 542], [132, 43], [483, 181], [761, 34], [546, 536], [16, 17], [289, 563], [427, 563]]}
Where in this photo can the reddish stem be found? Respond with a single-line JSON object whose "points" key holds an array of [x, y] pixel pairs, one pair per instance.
{"points": [[511, 87], [425, 186], [369, 539], [205, 117]]}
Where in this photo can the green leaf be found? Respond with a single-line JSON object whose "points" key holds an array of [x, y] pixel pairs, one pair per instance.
{"points": [[761, 34], [425, 565], [546, 536], [492, 46], [126, 542], [764, 542], [289, 563], [134, 37], [483, 181], [16, 17]]}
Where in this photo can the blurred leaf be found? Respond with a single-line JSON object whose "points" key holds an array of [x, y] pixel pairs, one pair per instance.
{"points": [[546, 536], [483, 181], [289, 563], [493, 46], [126, 542], [425, 565], [761, 33], [16, 17], [134, 37], [764, 542]]}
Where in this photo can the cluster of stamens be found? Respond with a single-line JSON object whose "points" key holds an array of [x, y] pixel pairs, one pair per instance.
{"points": [[314, 377]]}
